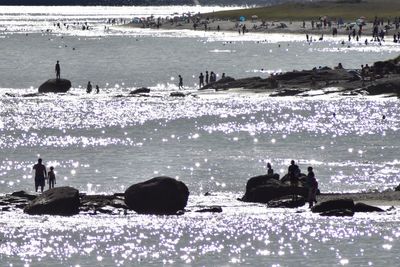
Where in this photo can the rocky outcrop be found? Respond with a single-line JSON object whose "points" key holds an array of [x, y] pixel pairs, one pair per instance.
{"points": [[384, 86], [272, 189], [55, 86], [160, 195], [56, 201], [337, 204], [397, 188], [142, 90], [214, 209], [247, 83], [287, 203], [338, 213], [260, 180], [362, 207]]}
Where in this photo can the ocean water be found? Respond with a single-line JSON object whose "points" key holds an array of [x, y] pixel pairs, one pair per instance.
{"points": [[212, 141]]}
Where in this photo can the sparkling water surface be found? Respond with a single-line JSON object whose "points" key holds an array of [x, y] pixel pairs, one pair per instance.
{"points": [[212, 141]]}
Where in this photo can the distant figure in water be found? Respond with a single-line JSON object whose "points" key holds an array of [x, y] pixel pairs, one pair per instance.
{"points": [[207, 77], [97, 89], [89, 88], [201, 80], [40, 174], [223, 75], [270, 171], [58, 70], [383, 117], [334, 114], [52, 177], [180, 82]]}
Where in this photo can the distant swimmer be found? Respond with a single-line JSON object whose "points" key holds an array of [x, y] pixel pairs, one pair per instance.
{"points": [[97, 89], [58, 70], [180, 82], [89, 88]]}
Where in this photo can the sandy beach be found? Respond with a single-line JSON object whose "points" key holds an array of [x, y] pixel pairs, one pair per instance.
{"points": [[257, 26]]}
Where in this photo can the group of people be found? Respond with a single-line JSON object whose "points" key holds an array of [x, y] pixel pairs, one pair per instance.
{"points": [[294, 176], [41, 175], [208, 78], [89, 87]]}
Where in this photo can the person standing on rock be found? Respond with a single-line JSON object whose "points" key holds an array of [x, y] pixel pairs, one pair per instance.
{"points": [[201, 80], [312, 185], [180, 82], [294, 174], [40, 174], [52, 177], [207, 77], [58, 70]]}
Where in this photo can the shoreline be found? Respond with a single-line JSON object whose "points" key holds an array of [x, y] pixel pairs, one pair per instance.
{"points": [[257, 26]]}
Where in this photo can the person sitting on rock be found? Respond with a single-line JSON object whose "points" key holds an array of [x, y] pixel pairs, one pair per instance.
{"points": [[52, 177], [294, 174], [312, 185]]}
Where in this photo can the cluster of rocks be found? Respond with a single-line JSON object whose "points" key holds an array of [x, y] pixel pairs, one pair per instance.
{"points": [[167, 196], [277, 193], [383, 78]]}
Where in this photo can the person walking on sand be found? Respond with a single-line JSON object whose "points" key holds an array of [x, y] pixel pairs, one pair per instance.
{"points": [[40, 174], [58, 70], [180, 86], [52, 177], [201, 80], [89, 88]]}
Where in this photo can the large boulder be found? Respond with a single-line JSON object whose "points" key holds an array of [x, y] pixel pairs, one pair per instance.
{"points": [[56, 201], [160, 195], [362, 207], [55, 86], [270, 190], [335, 204]]}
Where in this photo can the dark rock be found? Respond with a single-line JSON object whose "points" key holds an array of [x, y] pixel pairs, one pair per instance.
{"points": [[142, 90], [287, 203], [287, 92], [160, 195], [385, 86], [336, 204], [361, 207], [338, 213], [397, 188], [246, 83], [177, 94], [211, 209], [55, 86], [23, 194], [56, 201], [260, 180], [271, 190]]}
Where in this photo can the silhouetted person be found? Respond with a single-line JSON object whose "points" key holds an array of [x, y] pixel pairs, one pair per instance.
{"points": [[207, 77], [52, 177], [180, 82], [40, 174], [201, 80], [58, 70], [270, 171], [97, 89], [89, 88], [294, 174], [312, 185]]}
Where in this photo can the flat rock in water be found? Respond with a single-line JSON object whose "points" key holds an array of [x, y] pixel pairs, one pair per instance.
{"points": [[56, 201], [142, 90], [361, 207], [336, 204], [160, 195], [23, 194], [217, 209], [55, 86], [338, 213], [287, 203]]}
